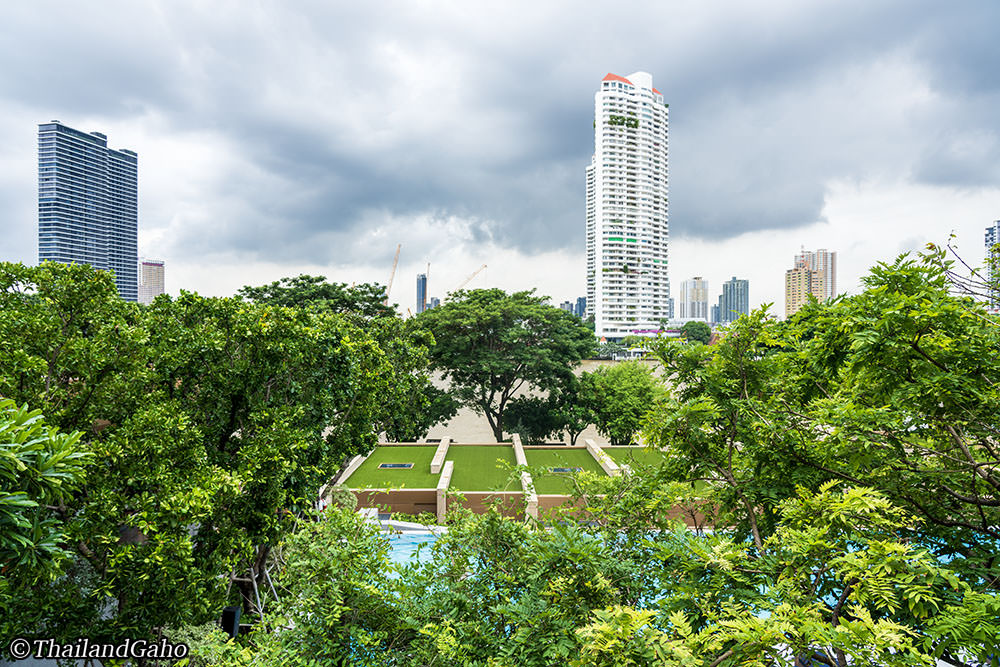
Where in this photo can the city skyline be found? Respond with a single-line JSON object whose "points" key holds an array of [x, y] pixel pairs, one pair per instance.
{"points": [[777, 140]]}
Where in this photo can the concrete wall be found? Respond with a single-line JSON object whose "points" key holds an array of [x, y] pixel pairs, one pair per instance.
{"points": [[549, 502], [439, 455], [519, 457], [609, 467], [511, 503], [403, 501], [442, 490]]}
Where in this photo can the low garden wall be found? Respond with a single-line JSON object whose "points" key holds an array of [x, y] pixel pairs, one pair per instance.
{"points": [[510, 503], [401, 501]]}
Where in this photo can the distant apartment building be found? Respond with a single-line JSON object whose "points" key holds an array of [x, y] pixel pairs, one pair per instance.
{"points": [[694, 299], [433, 303], [992, 259], [567, 306], [812, 273], [628, 287], [734, 301], [150, 280], [421, 292], [88, 203]]}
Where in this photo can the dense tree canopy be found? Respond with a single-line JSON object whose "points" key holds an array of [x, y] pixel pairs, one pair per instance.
{"points": [[852, 452], [39, 468], [618, 397], [314, 292], [490, 344], [834, 585], [696, 331], [412, 404], [212, 423], [895, 388], [847, 459]]}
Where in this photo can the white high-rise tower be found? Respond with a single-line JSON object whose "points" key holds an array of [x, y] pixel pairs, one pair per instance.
{"points": [[628, 288]]}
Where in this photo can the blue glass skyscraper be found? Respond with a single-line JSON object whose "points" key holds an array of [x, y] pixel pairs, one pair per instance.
{"points": [[734, 301], [88, 203]]}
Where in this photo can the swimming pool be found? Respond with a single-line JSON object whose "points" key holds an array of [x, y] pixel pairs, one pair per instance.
{"points": [[405, 539], [403, 547]]}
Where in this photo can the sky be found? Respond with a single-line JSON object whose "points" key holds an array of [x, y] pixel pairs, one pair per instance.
{"points": [[277, 138]]}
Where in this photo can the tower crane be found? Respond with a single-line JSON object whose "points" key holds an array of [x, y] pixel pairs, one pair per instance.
{"points": [[469, 279], [395, 261]]}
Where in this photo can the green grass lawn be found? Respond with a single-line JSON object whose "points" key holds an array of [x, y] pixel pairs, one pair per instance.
{"points": [[369, 476], [634, 456], [476, 468], [563, 457]]}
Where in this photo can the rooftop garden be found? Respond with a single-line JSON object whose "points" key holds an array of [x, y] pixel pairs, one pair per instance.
{"points": [[371, 476], [635, 456], [563, 457], [479, 468]]}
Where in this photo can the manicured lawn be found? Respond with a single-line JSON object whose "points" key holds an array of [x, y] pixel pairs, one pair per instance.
{"points": [[476, 468], [634, 456], [562, 457], [369, 476]]}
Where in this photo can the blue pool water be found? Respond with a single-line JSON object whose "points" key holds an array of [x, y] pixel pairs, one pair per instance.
{"points": [[403, 547]]}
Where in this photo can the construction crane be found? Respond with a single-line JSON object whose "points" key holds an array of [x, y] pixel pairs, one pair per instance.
{"points": [[395, 261], [469, 279]]}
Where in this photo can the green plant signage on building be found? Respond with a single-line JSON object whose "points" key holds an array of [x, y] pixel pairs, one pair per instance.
{"points": [[627, 121]]}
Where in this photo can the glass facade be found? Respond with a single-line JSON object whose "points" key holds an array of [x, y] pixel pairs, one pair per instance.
{"points": [[88, 203], [734, 301]]}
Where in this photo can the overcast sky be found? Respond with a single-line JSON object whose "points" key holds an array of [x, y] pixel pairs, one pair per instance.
{"points": [[278, 138]]}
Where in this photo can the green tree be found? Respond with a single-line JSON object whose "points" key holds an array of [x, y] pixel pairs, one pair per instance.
{"points": [[835, 584], [537, 418], [213, 423], [314, 292], [337, 604], [569, 410], [893, 388], [533, 418], [39, 470], [618, 396], [490, 345], [695, 330], [413, 404]]}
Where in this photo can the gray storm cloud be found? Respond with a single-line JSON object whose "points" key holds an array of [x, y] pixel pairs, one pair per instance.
{"points": [[338, 120]]}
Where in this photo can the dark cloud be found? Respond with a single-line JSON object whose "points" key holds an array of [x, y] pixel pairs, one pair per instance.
{"points": [[340, 120]]}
